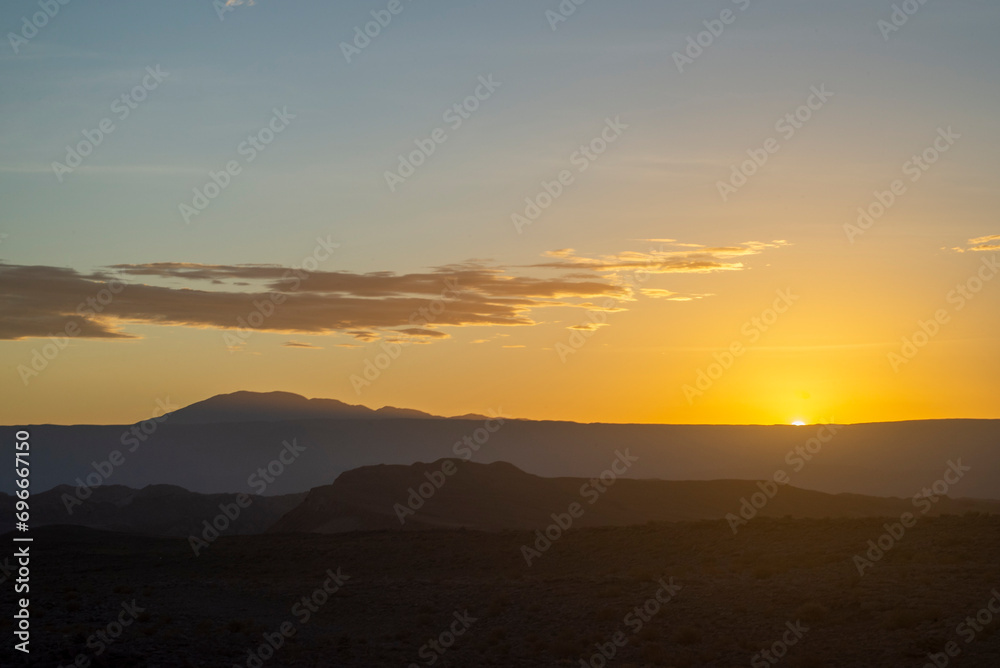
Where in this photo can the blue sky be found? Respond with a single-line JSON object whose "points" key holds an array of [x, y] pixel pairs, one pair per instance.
{"points": [[325, 173]]}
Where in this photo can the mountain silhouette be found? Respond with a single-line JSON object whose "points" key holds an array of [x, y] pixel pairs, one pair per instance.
{"points": [[214, 445], [449, 494], [279, 406], [161, 510], [500, 496]]}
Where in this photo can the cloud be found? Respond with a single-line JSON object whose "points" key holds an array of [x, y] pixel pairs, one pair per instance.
{"points": [[982, 244], [657, 293], [487, 281], [670, 295], [666, 257], [299, 344], [428, 333], [40, 301], [361, 335]]}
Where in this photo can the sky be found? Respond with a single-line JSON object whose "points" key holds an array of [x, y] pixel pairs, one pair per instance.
{"points": [[738, 211]]}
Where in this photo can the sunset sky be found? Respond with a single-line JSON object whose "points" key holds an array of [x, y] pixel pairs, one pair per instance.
{"points": [[611, 304]]}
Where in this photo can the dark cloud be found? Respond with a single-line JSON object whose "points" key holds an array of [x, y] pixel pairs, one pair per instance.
{"points": [[39, 301], [429, 333], [299, 344]]}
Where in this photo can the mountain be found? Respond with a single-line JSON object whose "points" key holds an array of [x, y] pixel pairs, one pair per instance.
{"points": [[214, 446], [161, 510], [456, 494], [501, 496], [280, 406]]}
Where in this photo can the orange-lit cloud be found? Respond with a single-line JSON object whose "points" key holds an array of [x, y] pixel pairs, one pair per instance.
{"points": [[988, 243], [670, 295], [660, 260]]}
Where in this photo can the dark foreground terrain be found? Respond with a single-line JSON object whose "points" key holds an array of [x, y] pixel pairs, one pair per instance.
{"points": [[790, 587]]}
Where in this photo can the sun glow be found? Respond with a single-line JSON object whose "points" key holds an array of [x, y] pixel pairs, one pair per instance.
{"points": [[799, 423]]}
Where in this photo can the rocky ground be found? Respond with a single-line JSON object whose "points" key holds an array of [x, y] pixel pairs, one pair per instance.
{"points": [[462, 598]]}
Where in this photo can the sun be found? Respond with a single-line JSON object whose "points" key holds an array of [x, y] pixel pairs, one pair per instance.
{"points": [[799, 423]]}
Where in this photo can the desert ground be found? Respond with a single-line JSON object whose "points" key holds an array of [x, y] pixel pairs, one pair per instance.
{"points": [[790, 588]]}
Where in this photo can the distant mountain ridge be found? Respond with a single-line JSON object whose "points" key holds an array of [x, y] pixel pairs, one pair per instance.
{"points": [[485, 497], [247, 406], [500, 496], [159, 510], [214, 445]]}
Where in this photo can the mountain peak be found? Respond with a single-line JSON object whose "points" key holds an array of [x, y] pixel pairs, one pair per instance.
{"points": [[246, 406]]}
